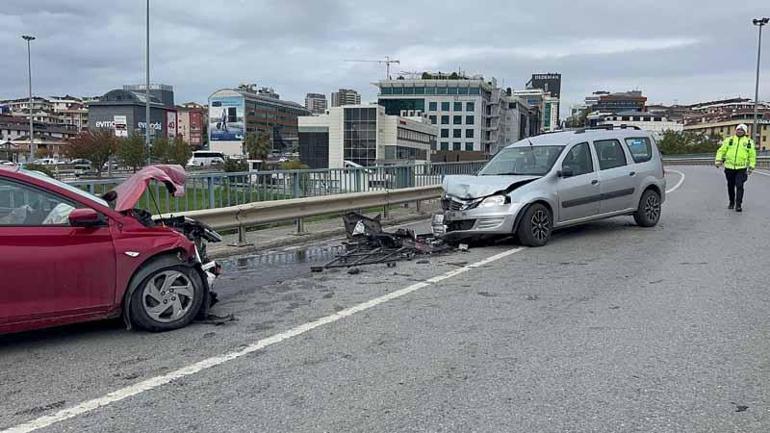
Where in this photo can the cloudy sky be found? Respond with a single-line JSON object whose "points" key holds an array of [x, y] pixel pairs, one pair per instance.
{"points": [[675, 51]]}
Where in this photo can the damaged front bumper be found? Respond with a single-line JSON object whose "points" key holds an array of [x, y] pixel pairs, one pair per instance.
{"points": [[480, 221]]}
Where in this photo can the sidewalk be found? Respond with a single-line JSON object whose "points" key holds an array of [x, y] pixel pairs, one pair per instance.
{"points": [[329, 226]]}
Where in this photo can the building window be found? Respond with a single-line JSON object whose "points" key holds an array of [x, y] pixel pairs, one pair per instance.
{"points": [[441, 90], [457, 133], [457, 146], [458, 106], [444, 133], [419, 90], [430, 90], [462, 91], [451, 90], [444, 145], [445, 106], [468, 133], [470, 106], [457, 120], [445, 120], [469, 147], [469, 120], [432, 106], [474, 91], [398, 90], [432, 120]]}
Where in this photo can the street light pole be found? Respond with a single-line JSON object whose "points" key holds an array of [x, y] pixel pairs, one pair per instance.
{"points": [[147, 89], [759, 22], [29, 72]]}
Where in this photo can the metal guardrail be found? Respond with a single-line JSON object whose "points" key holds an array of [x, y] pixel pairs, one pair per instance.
{"points": [[762, 161], [221, 190]]}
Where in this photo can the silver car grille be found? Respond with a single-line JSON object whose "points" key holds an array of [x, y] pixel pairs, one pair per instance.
{"points": [[450, 203]]}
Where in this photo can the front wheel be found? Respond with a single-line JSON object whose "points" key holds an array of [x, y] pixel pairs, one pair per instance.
{"points": [[169, 298], [536, 226], [648, 212]]}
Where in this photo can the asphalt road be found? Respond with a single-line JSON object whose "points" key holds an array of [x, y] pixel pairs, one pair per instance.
{"points": [[609, 328]]}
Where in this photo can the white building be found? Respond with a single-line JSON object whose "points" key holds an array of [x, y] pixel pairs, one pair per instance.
{"points": [[316, 103], [63, 111], [652, 122], [547, 104], [363, 135], [345, 97]]}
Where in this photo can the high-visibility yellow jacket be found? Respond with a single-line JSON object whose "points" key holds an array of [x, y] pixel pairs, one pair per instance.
{"points": [[737, 153]]}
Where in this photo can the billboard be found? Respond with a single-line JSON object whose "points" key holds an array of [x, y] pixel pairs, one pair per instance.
{"points": [[226, 118], [121, 126], [171, 130], [548, 82]]}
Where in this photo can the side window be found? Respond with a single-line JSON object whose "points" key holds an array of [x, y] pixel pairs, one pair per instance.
{"points": [[610, 154], [640, 148], [579, 160], [22, 205]]}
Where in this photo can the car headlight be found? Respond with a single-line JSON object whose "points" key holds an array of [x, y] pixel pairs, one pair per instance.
{"points": [[495, 200]]}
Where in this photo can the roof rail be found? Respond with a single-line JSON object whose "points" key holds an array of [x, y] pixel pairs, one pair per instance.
{"points": [[608, 127]]}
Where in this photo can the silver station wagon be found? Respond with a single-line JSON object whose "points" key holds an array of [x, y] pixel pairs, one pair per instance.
{"points": [[556, 180]]}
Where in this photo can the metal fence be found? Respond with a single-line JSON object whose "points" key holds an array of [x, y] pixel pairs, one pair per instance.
{"points": [[215, 190]]}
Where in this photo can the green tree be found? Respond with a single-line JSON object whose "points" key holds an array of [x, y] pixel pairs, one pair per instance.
{"points": [[257, 146], [96, 146], [160, 150], [235, 165], [678, 143], [131, 151], [180, 152]]}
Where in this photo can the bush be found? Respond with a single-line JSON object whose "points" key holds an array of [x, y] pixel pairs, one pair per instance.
{"points": [[235, 165], [41, 168]]}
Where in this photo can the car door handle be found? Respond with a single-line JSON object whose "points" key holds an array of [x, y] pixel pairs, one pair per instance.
{"points": [[633, 173], [594, 182]]}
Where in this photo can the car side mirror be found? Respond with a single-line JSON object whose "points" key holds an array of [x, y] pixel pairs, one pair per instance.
{"points": [[566, 172], [85, 217]]}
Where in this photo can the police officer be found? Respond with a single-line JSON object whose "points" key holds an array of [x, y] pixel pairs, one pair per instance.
{"points": [[739, 158]]}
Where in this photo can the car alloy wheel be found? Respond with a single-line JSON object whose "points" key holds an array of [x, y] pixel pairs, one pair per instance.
{"points": [[541, 225], [168, 296], [652, 207]]}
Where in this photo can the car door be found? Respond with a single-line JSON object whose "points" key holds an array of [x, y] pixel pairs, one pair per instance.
{"points": [[578, 194], [50, 269], [617, 179]]}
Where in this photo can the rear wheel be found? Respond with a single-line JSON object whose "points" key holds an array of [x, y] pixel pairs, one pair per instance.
{"points": [[169, 298], [536, 226], [648, 212]]}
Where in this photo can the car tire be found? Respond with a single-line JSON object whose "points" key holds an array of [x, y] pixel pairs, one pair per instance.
{"points": [[169, 298], [536, 226], [648, 212]]}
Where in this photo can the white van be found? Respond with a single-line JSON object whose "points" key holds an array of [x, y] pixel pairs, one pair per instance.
{"points": [[206, 158]]}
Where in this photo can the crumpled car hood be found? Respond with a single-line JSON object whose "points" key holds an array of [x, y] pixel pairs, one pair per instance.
{"points": [[130, 191], [468, 186]]}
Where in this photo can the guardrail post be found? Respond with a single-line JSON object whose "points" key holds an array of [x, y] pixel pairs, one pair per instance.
{"points": [[296, 193], [418, 206], [210, 183], [241, 233]]}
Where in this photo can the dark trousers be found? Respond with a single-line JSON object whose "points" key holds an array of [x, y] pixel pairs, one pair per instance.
{"points": [[735, 181]]}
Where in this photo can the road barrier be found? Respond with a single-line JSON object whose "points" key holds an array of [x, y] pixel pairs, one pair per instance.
{"points": [[762, 161]]}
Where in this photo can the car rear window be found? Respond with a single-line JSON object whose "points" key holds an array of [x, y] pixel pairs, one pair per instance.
{"points": [[640, 148]]}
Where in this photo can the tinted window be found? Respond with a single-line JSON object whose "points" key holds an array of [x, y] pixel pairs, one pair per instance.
{"points": [[21, 205], [640, 148], [579, 160], [524, 160], [458, 106], [445, 106], [610, 154]]}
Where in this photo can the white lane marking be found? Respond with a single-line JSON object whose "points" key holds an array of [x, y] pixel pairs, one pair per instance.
{"points": [[155, 382], [763, 173], [678, 184]]}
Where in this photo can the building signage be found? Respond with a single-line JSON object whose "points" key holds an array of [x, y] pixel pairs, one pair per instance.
{"points": [[546, 77], [104, 124], [154, 125], [120, 125], [171, 124]]}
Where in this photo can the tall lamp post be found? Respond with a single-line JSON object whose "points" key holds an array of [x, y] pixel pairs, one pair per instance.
{"points": [[29, 72], [759, 22], [147, 89]]}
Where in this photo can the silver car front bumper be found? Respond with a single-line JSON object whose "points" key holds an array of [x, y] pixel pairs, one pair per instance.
{"points": [[495, 220]]}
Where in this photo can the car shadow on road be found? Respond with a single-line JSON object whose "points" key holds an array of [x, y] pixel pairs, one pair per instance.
{"points": [[61, 334]]}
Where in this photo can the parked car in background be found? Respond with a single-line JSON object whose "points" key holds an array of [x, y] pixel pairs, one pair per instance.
{"points": [[45, 161], [206, 158], [6, 162], [69, 256], [81, 164], [557, 180]]}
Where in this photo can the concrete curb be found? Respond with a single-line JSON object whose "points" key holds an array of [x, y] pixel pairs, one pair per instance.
{"points": [[291, 240]]}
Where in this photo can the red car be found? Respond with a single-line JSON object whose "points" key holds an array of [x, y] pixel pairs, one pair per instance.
{"points": [[68, 256]]}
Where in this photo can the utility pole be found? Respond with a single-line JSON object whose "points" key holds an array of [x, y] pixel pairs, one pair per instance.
{"points": [[147, 90], [759, 22], [29, 72]]}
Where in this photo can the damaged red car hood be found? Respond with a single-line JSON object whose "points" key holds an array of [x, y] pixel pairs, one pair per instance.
{"points": [[130, 191]]}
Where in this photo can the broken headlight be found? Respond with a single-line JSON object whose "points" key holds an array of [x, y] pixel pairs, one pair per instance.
{"points": [[495, 200]]}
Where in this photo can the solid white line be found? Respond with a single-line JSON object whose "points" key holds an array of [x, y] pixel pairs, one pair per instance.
{"points": [[763, 173], [155, 382], [678, 184]]}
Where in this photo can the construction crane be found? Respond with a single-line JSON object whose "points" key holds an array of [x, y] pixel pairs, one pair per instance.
{"points": [[387, 62]]}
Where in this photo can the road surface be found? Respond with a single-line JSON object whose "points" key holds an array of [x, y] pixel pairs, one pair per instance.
{"points": [[609, 328]]}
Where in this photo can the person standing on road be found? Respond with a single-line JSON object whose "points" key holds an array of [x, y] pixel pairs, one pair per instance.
{"points": [[739, 158]]}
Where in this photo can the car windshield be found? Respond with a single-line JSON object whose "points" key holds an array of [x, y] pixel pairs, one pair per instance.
{"points": [[78, 191], [533, 160]]}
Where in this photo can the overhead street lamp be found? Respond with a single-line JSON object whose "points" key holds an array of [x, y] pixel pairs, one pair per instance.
{"points": [[759, 22], [29, 71]]}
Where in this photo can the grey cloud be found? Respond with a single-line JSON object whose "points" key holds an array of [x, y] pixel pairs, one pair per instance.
{"points": [[685, 50]]}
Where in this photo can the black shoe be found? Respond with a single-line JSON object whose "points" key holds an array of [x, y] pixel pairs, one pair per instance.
{"points": [[731, 206], [738, 208]]}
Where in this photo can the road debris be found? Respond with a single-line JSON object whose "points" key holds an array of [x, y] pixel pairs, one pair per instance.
{"points": [[369, 244]]}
